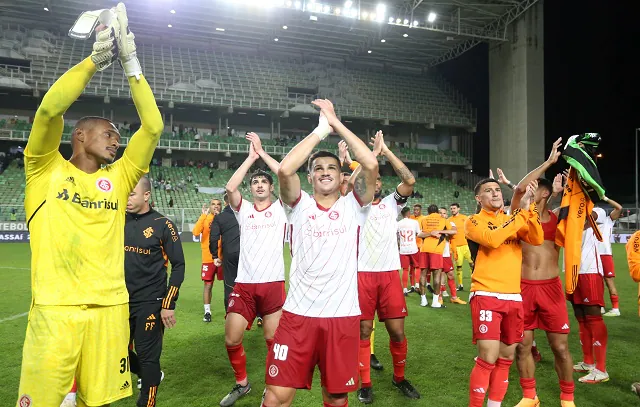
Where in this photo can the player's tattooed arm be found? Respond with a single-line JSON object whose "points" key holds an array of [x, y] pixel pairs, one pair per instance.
{"points": [[360, 185], [405, 188]]}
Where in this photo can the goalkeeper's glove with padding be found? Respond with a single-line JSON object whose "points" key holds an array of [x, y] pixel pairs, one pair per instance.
{"points": [[126, 44]]}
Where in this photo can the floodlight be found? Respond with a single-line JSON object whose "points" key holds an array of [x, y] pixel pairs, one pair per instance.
{"points": [[415, 23], [405, 35], [364, 15], [398, 21], [220, 29], [432, 17], [381, 9], [169, 25], [337, 11], [46, 9], [368, 52], [275, 39], [405, 22], [172, 11], [383, 40], [284, 27], [391, 20]]}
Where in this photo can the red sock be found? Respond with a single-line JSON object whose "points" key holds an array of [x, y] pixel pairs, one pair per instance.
{"points": [[74, 388], [442, 288], [528, 387], [452, 288], [405, 277], [364, 359], [499, 381], [614, 301], [566, 390], [238, 360], [325, 404], [479, 382], [428, 278], [269, 344], [416, 276], [600, 337], [399, 356], [585, 341]]}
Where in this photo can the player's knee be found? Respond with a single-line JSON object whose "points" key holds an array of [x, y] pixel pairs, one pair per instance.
{"points": [[560, 349], [397, 335], [233, 338], [523, 350], [337, 399], [366, 327], [278, 396]]}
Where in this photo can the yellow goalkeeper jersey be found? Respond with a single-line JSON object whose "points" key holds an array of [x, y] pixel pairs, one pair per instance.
{"points": [[76, 221]]}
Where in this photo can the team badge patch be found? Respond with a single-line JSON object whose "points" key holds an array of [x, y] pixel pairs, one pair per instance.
{"points": [[382, 206], [483, 329], [334, 215], [148, 232], [25, 401], [104, 185], [267, 214], [273, 370]]}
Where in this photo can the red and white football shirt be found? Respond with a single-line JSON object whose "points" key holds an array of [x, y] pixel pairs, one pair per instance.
{"points": [[378, 241], [408, 230], [323, 281], [262, 236], [605, 224], [590, 262]]}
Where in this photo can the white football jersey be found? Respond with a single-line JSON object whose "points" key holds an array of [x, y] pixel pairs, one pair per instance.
{"points": [[605, 224], [590, 262], [447, 245], [408, 230], [379, 238], [262, 235], [323, 281]]}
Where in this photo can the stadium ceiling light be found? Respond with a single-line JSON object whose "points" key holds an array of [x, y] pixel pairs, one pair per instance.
{"points": [[405, 35], [261, 114], [405, 22], [219, 29], [46, 9], [432, 17], [416, 23], [398, 21], [284, 27], [276, 39], [364, 15], [313, 18], [381, 9], [169, 25], [337, 11], [391, 20], [172, 11], [383, 40], [368, 52]]}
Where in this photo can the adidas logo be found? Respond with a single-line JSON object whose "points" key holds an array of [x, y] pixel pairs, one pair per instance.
{"points": [[585, 300], [125, 386], [610, 273], [351, 382], [361, 365], [565, 326], [404, 310], [479, 390], [250, 216], [151, 317], [71, 180], [597, 343]]}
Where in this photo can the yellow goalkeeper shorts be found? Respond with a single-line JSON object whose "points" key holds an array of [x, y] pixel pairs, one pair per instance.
{"points": [[89, 343], [463, 253]]}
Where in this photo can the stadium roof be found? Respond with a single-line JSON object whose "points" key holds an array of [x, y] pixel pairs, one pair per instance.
{"points": [[356, 30]]}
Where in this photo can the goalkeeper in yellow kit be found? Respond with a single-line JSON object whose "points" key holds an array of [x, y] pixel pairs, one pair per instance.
{"points": [[78, 322]]}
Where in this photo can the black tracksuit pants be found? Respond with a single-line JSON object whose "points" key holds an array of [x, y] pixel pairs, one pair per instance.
{"points": [[146, 331]]}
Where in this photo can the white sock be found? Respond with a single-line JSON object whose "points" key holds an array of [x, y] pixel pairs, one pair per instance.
{"points": [[423, 297], [417, 286], [534, 343], [491, 403], [207, 308], [70, 396], [405, 290], [436, 297]]}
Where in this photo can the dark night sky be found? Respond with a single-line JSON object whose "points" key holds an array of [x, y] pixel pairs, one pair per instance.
{"points": [[591, 85]]}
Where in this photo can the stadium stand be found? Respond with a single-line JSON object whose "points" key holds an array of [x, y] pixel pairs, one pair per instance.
{"points": [[220, 79]]}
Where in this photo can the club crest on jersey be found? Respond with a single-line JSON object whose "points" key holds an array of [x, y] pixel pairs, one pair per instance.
{"points": [[483, 329], [382, 206], [268, 214], [25, 401], [104, 184], [148, 232], [333, 215], [273, 370]]}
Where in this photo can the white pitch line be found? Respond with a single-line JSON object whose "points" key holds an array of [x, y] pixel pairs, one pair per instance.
{"points": [[14, 317], [15, 268]]}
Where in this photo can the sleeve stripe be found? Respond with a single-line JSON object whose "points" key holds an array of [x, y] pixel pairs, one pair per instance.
{"points": [[169, 298], [34, 212]]}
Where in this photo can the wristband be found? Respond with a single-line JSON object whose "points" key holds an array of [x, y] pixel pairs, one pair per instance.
{"points": [[354, 165], [512, 185], [401, 199], [323, 129]]}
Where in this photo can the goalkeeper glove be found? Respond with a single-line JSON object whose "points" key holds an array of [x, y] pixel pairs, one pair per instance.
{"points": [[126, 45], [105, 49]]}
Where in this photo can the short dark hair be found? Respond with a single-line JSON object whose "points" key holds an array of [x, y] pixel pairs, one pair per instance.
{"points": [[261, 173], [89, 121], [432, 209], [455, 204], [442, 207], [418, 205], [404, 211], [320, 154], [146, 184], [483, 181], [546, 184]]}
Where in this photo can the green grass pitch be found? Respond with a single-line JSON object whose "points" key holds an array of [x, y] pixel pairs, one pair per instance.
{"points": [[439, 361]]}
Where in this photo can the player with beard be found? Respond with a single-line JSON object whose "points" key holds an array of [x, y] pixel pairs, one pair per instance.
{"points": [[379, 288], [346, 187], [320, 322], [496, 304], [605, 224], [259, 288]]}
